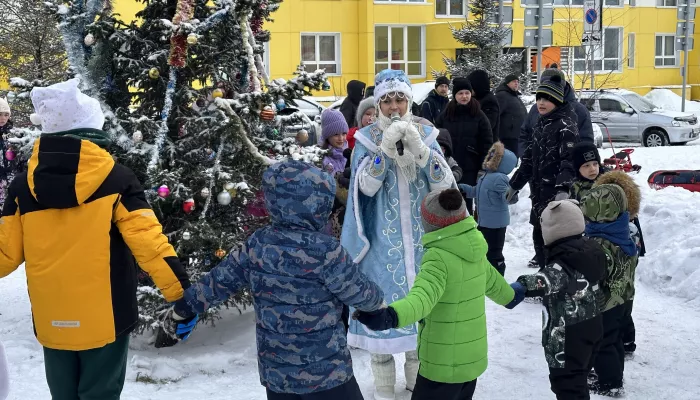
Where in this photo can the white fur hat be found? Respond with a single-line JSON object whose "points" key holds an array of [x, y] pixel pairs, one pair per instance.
{"points": [[4, 106], [62, 107]]}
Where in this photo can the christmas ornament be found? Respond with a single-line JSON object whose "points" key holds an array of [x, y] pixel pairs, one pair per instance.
{"points": [[281, 104], [267, 114], [10, 155], [302, 136], [224, 198], [186, 235], [89, 39], [188, 206], [217, 93], [137, 137], [326, 86], [153, 73], [221, 253], [192, 39], [178, 43], [205, 193], [163, 191], [228, 186]]}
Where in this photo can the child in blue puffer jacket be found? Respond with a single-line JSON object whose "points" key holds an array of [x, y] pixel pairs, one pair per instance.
{"points": [[491, 205], [299, 278]]}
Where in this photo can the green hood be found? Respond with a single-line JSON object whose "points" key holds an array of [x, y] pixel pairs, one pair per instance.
{"points": [[461, 239], [604, 203]]}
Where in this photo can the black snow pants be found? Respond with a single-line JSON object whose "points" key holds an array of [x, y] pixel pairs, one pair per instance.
{"points": [[349, 390], [430, 390], [610, 363], [495, 238]]}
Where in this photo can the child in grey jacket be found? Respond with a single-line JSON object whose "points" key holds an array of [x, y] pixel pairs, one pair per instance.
{"points": [[491, 205]]}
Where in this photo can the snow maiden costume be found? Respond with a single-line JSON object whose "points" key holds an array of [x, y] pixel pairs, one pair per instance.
{"points": [[382, 229]]}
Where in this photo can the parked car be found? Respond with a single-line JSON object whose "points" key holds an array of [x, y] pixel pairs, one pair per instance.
{"points": [[598, 136], [630, 117], [290, 129], [420, 93]]}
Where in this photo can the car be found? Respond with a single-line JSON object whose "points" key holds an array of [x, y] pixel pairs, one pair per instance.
{"points": [[629, 117], [420, 93], [597, 136]]}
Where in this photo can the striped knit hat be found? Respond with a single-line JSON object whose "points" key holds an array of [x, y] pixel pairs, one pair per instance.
{"points": [[551, 89], [442, 208]]}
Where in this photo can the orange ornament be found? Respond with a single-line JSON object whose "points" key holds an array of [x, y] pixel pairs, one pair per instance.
{"points": [[221, 253], [267, 114]]}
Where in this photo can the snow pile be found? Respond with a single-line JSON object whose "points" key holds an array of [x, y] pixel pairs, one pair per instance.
{"points": [[668, 100]]}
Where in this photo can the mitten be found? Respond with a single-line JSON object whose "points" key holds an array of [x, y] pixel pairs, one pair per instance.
{"points": [[174, 328], [561, 196], [520, 292], [378, 320]]}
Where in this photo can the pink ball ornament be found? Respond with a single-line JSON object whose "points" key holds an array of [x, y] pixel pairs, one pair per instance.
{"points": [[10, 155], [163, 191]]}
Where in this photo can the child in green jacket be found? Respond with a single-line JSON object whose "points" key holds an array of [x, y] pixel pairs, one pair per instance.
{"points": [[447, 300]]}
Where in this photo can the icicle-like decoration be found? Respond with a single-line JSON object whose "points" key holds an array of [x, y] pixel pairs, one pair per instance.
{"points": [[224, 105], [214, 173], [163, 128], [250, 54], [72, 27]]}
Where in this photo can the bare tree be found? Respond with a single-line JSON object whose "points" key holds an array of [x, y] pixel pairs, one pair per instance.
{"points": [[30, 43]]}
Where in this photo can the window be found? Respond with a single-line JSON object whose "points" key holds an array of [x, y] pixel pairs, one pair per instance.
{"points": [[614, 3], [566, 2], [321, 51], [507, 15], [666, 3], [631, 44], [588, 103], [607, 55], [448, 8], [400, 48], [610, 105], [665, 53]]}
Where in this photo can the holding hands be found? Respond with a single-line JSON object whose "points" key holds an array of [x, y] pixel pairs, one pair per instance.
{"points": [[520, 292], [378, 320], [174, 328]]}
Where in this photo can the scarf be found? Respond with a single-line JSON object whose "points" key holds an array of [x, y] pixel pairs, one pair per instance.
{"points": [[335, 159], [99, 137], [617, 232]]}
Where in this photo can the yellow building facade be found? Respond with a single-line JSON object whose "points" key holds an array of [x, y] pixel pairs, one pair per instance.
{"points": [[352, 39]]}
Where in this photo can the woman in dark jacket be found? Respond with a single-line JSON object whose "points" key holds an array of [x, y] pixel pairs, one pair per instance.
{"points": [[470, 131]]}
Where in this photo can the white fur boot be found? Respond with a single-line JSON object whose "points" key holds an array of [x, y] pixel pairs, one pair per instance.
{"points": [[410, 369], [384, 371]]}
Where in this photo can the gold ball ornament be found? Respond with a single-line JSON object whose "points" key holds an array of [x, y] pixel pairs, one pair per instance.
{"points": [[153, 73], [192, 39], [221, 253], [217, 93], [302, 136]]}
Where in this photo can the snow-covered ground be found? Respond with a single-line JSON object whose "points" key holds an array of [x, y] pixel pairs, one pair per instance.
{"points": [[220, 362]]}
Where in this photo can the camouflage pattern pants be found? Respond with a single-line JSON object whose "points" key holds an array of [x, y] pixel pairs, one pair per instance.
{"points": [[581, 345]]}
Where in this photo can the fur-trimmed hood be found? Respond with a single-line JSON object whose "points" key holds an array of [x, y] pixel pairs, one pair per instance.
{"points": [[500, 159], [631, 189]]}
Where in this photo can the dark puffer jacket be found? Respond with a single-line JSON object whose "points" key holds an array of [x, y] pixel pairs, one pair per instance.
{"points": [[489, 103], [356, 92], [433, 105], [546, 162], [299, 278], [445, 140], [513, 113], [578, 113], [471, 140]]}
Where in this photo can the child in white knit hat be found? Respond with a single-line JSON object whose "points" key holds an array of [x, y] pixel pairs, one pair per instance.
{"points": [[7, 155]]}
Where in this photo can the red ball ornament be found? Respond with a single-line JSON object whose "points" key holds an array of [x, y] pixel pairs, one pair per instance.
{"points": [[188, 206], [163, 191], [10, 155]]}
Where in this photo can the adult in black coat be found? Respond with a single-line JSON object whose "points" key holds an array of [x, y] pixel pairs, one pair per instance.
{"points": [[513, 112], [581, 116], [437, 100], [356, 92], [489, 104], [469, 129]]}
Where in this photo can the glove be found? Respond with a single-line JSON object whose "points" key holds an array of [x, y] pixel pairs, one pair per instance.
{"points": [[520, 292], [414, 143], [392, 134], [561, 196], [378, 320], [511, 195], [174, 328]]}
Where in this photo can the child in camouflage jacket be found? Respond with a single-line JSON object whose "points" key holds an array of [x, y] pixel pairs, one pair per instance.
{"points": [[569, 283], [605, 208]]}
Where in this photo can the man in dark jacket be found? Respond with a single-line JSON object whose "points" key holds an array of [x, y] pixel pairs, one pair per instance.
{"points": [[489, 104], [356, 92], [583, 117], [437, 100], [513, 112]]}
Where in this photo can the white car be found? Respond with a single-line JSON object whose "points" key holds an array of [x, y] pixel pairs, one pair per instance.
{"points": [[598, 136], [420, 93]]}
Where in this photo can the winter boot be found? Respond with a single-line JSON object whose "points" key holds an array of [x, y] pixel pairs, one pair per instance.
{"points": [[630, 348], [501, 268], [410, 369], [607, 390], [533, 263], [592, 378], [384, 371]]}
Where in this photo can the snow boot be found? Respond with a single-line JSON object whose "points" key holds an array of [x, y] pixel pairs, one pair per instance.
{"points": [[384, 371], [630, 348], [607, 390], [410, 369], [533, 263], [592, 378]]}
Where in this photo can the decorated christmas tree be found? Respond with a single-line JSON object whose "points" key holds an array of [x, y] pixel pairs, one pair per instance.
{"points": [[483, 41], [192, 113]]}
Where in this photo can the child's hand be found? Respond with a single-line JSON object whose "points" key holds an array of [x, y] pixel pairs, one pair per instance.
{"points": [[511, 195], [520, 292], [378, 320], [174, 328]]}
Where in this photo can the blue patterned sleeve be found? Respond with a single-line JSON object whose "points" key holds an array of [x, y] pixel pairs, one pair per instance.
{"points": [[344, 279], [373, 173], [212, 289]]}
